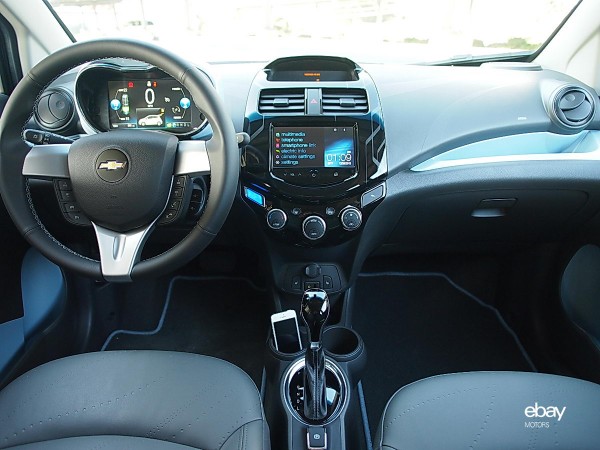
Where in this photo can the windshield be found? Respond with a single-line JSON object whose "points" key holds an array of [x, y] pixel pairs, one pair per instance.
{"points": [[368, 31]]}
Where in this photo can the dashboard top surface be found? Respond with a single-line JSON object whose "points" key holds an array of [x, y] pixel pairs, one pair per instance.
{"points": [[428, 110]]}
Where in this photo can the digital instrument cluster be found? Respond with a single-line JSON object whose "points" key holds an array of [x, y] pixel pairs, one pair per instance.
{"points": [[155, 104], [114, 97]]}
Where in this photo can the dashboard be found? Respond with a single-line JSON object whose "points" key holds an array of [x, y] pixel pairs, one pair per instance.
{"points": [[345, 159]]}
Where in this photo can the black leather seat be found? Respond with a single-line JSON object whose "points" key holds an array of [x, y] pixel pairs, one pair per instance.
{"points": [[492, 410], [133, 400]]}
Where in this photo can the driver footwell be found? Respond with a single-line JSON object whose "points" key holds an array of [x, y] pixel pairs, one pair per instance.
{"points": [[224, 317], [423, 324]]}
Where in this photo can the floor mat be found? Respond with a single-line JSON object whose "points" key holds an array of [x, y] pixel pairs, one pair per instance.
{"points": [[227, 318], [423, 324]]}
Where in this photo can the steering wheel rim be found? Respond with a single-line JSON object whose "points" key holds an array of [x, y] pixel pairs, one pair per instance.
{"points": [[221, 149]]}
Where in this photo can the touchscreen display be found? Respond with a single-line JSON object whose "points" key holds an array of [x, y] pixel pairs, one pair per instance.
{"points": [[161, 104], [313, 147]]}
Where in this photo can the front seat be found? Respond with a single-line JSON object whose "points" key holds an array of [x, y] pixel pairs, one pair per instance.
{"points": [[133, 400], [492, 410]]}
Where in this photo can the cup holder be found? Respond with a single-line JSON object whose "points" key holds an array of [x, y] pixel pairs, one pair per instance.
{"points": [[342, 344], [285, 351]]}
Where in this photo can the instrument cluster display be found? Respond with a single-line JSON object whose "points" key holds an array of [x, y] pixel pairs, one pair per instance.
{"points": [[157, 104]]}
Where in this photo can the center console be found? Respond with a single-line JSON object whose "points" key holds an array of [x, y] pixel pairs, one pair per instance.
{"points": [[312, 173], [311, 396], [315, 165]]}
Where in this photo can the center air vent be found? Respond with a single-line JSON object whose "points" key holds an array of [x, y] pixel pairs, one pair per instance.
{"points": [[340, 101], [573, 107], [277, 101]]}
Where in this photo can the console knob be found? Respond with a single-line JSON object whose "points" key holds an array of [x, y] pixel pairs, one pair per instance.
{"points": [[312, 270], [314, 227], [351, 218], [276, 219]]}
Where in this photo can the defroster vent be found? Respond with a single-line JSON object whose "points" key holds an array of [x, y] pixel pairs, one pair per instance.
{"points": [[340, 101], [281, 101]]}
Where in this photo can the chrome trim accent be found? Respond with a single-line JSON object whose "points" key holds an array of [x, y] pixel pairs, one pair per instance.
{"points": [[119, 252], [192, 158], [47, 161], [320, 219], [358, 213], [285, 218], [543, 146], [337, 372]]}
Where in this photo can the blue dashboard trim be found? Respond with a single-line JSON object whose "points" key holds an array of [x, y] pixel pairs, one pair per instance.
{"points": [[542, 146]]}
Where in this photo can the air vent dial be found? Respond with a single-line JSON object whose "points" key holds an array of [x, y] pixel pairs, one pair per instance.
{"points": [[573, 107]]}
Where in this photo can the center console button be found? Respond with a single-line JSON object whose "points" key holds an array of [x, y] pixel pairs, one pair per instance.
{"points": [[276, 219], [314, 227], [372, 195]]}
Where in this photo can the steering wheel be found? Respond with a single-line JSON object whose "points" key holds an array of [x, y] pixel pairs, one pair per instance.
{"points": [[124, 207]]}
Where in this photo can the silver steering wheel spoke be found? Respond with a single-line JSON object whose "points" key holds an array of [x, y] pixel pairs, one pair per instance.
{"points": [[47, 161], [192, 158], [119, 252]]}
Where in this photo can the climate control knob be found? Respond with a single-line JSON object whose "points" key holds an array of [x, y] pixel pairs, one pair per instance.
{"points": [[276, 219], [314, 227], [351, 218]]}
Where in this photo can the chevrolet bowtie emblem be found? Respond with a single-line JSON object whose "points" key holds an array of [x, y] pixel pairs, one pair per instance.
{"points": [[112, 165]]}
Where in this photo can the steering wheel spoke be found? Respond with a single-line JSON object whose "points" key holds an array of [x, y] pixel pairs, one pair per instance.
{"points": [[47, 161], [192, 158], [120, 251]]}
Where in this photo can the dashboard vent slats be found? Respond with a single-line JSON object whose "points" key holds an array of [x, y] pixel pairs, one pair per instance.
{"points": [[340, 101], [574, 107], [281, 101]]}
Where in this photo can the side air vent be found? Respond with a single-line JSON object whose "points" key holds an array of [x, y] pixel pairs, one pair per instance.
{"points": [[278, 101], [573, 107], [340, 101], [55, 109]]}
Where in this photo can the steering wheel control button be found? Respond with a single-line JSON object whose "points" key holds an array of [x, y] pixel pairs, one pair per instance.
{"points": [[174, 204], [78, 219], [372, 195], [64, 185], [179, 182], [67, 196], [112, 165], [276, 219], [351, 218], [168, 216], [71, 207], [314, 227], [177, 193]]}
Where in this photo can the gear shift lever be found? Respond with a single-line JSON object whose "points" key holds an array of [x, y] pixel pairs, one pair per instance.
{"points": [[315, 311]]}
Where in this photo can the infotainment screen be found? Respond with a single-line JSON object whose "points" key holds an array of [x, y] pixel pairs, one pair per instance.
{"points": [[313, 147], [160, 104]]}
